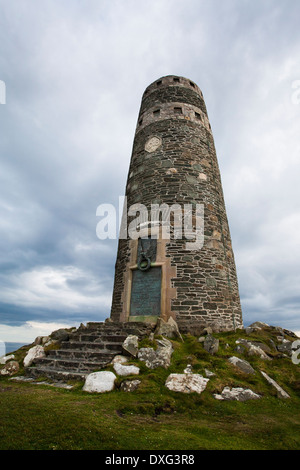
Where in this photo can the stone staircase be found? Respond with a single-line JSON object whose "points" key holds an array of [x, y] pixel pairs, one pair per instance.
{"points": [[89, 348]]}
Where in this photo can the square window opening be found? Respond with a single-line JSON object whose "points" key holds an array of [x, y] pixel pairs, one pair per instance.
{"points": [[177, 110]]}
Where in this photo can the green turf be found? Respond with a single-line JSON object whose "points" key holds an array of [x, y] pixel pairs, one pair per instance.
{"points": [[40, 417]]}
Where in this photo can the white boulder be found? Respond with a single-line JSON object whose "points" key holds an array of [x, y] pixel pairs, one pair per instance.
{"points": [[238, 394], [4, 359], [119, 359], [131, 345], [186, 383], [208, 373], [36, 352], [188, 369], [280, 392], [126, 370], [99, 382]]}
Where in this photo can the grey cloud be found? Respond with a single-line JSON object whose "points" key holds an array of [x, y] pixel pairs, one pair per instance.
{"points": [[75, 73]]}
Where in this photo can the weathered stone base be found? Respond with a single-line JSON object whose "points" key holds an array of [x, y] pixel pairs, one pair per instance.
{"points": [[195, 324]]}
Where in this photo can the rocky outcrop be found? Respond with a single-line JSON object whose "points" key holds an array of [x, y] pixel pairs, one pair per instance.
{"points": [[130, 385], [242, 365], [211, 344], [10, 368], [161, 357], [280, 392], [131, 345], [97, 346], [238, 394], [288, 347], [60, 335], [258, 325], [254, 349], [169, 329], [186, 383], [209, 373]]}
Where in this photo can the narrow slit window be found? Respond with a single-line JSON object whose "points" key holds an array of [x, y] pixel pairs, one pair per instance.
{"points": [[140, 122], [176, 79], [177, 110], [156, 113], [198, 116], [159, 83], [192, 84]]}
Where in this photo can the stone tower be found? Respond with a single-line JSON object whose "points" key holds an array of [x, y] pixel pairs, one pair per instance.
{"points": [[174, 162]]}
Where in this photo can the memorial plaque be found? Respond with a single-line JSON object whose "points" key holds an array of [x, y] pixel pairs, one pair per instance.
{"points": [[145, 292]]}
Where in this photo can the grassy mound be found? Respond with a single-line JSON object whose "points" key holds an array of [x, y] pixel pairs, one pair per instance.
{"points": [[155, 418]]}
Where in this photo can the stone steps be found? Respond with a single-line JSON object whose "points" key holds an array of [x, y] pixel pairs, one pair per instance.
{"points": [[98, 338], [92, 346], [85, 349], [55, 374], [78, 354], [89, 348], [79, 364]]}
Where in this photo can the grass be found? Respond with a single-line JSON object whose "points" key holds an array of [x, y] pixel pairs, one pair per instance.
{"points": [[40, 417]]}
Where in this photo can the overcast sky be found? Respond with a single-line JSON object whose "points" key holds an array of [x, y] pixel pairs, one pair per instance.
{"points": [[74, 73]]}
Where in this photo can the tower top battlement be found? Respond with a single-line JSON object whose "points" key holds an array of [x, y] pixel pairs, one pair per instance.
{"points": [[172, 97], [172, 80]]}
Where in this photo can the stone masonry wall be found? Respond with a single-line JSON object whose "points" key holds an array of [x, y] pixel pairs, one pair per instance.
{"points": [[174, 162]]}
